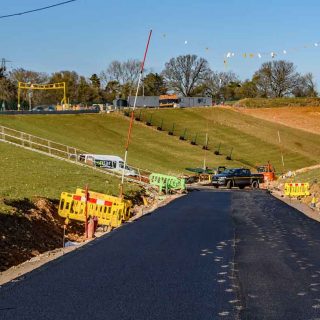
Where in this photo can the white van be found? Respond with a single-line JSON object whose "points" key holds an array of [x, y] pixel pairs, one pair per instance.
{"points": [[109, 162]]}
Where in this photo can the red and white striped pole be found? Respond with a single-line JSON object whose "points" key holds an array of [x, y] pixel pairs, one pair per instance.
{"points": [[132, 114]]}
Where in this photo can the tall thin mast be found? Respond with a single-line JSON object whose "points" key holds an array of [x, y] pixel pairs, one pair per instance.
{"points": [[132, 113]]}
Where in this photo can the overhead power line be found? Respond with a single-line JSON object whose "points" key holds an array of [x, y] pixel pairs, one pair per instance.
{"points": [[35, 10]]}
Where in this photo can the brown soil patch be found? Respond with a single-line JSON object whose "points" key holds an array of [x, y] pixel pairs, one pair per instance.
{"points": [[304, 118], [33, 228]]}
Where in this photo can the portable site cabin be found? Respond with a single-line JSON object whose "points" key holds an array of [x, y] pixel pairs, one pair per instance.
{"points": [[108, 162], [188, 102], [169, 100], [144, 101]]}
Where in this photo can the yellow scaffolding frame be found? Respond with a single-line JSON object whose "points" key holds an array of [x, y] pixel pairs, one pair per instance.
{"points": [[48, 86]]}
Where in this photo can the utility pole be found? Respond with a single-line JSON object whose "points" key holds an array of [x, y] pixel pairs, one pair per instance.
{"points": [[3, 65]]}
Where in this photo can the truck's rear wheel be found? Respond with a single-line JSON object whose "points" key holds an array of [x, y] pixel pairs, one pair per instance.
{"points": [[229, 184], [255, 184]]}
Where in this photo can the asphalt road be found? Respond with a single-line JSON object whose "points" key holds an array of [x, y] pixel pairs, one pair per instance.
{"points": [[208, 255]]}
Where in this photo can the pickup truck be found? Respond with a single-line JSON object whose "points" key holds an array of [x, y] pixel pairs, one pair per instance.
{"points": [[239, 177]]}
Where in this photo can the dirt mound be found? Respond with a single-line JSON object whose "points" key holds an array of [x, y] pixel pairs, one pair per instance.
{"points": [[32, 228]]}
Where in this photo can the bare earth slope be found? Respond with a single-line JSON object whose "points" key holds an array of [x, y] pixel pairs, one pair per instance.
{"points": [[304, 118]]}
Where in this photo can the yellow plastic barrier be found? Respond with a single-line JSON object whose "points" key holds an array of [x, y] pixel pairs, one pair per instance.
{"points": [[109, 210], [297, 189]]}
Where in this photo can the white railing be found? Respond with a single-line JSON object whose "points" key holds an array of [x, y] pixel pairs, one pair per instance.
{"points": [[60, 151], [41, 144]]}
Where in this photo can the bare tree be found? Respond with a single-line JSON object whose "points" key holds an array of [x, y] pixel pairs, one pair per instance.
{"points": [[305, 87], [276, 78], [310, 85], [29, 76], [131, 69], [184, 73], [123, 72]]}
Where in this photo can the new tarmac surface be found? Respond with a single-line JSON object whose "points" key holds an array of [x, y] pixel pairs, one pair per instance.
{"points": [[207, 255]]}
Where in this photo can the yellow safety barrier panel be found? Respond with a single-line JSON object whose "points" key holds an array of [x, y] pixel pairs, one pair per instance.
{"points": [[297, 189], [110, 211]]}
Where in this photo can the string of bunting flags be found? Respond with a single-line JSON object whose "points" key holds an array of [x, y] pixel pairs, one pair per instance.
{"points": [[228, 56], [272, 54]]}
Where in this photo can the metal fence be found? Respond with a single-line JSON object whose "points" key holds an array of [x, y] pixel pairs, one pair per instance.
{"points": [[60, 151]]}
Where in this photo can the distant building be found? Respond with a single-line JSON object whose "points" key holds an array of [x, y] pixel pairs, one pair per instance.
{"points": [[169, 100], [188, 102], [144, 101]]}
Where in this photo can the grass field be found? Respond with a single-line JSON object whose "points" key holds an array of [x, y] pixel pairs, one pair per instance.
{"points": [[254, 140], [25, 174], [312, 176], [107, 133]]}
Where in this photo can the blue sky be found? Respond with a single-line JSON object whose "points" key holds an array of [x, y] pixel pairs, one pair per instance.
{"points": [[87, 35]]}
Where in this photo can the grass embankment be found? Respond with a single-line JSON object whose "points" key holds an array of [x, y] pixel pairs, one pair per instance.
{"points": [[254, 141], [25, 174], [311, 176], [278, 102], [107, 134]]}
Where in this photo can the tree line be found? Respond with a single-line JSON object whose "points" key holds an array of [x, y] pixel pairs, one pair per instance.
{"points": [[185, 75]]}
